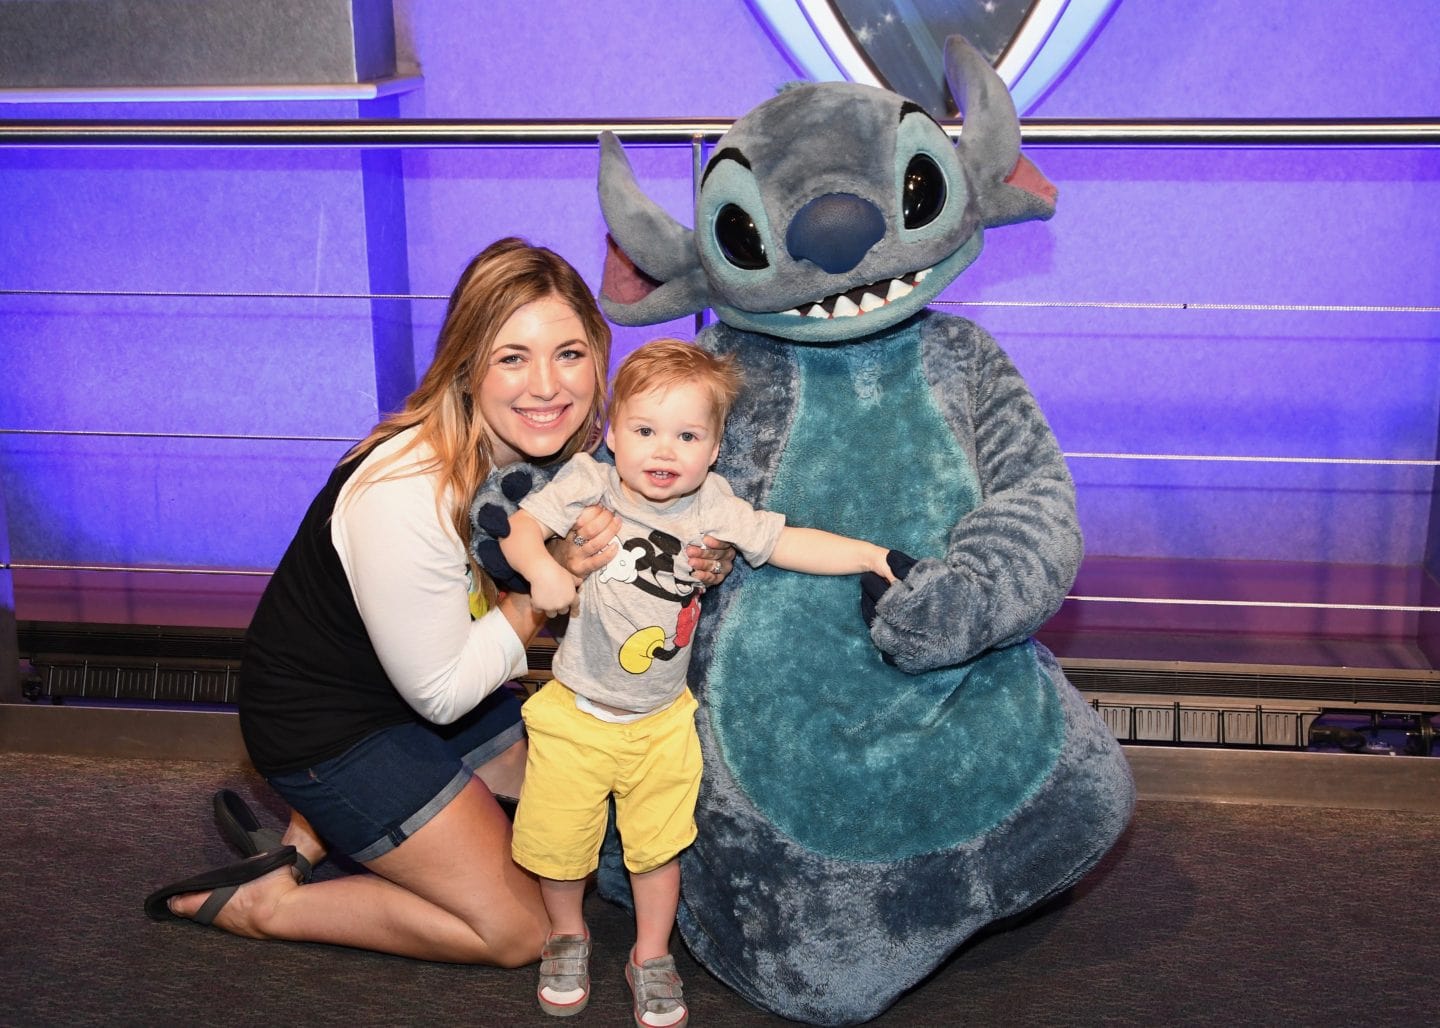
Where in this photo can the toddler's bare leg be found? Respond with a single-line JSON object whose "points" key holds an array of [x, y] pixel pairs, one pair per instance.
{"points": [[657, 895]]}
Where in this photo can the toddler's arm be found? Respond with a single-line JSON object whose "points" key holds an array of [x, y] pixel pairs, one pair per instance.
{"points": [[552, 588], [824, 553]]}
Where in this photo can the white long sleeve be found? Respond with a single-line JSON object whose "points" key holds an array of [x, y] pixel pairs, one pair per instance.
{"points": [[408, 574]]}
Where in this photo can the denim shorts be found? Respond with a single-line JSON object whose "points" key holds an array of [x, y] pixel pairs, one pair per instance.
{"points": [[383, 789]]}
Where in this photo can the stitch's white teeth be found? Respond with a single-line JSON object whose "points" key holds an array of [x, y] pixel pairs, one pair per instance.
{"points": [[841, 305]]}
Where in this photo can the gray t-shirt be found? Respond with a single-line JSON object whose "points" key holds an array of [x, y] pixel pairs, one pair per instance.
{"points": [[629, 645]]}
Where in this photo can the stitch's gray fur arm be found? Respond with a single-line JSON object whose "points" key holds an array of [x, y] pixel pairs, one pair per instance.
{"points": [[1009, 562]]}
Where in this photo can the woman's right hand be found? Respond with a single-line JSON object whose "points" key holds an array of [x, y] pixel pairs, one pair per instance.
{"points": [[590, 543]]}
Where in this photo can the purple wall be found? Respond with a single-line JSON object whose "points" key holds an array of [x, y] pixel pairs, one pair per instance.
{"points": [[1240, 59], [1233, 227], [661, 60], [1212, 226], [222, 221], [1297, 226]]}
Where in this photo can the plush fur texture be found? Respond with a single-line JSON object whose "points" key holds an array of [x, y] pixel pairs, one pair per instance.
{"points": [[859, 821], [873, 795]]}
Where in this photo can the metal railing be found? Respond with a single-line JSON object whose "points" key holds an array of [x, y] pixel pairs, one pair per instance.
{"points": [[697, 133], [439, 133]]}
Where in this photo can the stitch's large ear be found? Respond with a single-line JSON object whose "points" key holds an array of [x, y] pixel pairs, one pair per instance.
{"points": [[652, 271], [1011, 188]]}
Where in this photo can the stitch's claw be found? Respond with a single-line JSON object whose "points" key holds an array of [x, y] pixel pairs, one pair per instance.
{"points": [[490, 512], [873, 587]]}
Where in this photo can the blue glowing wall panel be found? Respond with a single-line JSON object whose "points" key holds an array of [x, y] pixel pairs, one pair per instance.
{"points": [[178, 221], [1241, 59], [1273, 228], [580, 59], [460, 200], [661, 60], [1190, 226]]}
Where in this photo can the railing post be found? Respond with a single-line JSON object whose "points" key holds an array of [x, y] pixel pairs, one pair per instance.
{"points": [[1428, 630], [697, 172], [386, 245], [9, 641]]}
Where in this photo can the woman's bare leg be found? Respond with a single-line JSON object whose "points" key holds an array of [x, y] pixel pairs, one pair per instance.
{"points": [[450, 892], [505, 773], [307, 843]]}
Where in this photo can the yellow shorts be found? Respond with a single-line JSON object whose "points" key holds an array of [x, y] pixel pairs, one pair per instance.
{"points": [[651, 766]]}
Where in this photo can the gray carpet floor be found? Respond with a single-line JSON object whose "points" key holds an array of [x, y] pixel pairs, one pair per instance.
{"points": [[1203, 915]]}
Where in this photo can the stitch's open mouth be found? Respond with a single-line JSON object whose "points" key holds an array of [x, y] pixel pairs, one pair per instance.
{"points": [[854, 302]]}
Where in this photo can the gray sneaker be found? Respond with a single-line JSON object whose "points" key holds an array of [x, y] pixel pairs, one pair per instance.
{"points": [[564, 987], [659, 993]]}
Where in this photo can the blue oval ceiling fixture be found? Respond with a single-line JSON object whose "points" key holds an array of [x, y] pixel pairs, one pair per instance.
{"points": [[899, 44]]}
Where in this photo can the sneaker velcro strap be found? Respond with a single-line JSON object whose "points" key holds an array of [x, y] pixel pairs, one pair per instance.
{"points": [[565, 956], [657, 982]]}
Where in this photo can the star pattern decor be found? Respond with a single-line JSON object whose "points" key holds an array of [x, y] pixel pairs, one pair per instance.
{"points": [[898, 44]]}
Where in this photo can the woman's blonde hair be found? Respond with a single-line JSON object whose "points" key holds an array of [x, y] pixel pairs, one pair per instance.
{"points": [[501, 279]]}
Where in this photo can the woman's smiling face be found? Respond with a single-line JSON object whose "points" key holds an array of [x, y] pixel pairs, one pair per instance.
{"points": [[539, 382]]}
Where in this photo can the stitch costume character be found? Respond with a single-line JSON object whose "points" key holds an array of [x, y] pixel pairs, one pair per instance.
{"points": [[873, 795]]}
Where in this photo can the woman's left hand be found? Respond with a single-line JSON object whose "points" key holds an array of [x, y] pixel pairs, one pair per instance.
{"points": [[712, 562], [590, 543]]}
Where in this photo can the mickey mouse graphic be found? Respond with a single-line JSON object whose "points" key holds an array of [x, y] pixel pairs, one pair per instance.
{"points": [[649, 565]]}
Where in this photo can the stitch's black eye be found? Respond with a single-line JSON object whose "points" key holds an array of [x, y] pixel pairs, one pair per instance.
{"points": [[924, 196], [739, 239]]}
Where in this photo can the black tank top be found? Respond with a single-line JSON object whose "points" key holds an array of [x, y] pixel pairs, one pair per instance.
{"points": [[311, 685]]}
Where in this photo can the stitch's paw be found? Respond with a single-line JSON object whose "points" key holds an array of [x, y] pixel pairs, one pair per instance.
{"points": [[872, 587], [490, 511]]}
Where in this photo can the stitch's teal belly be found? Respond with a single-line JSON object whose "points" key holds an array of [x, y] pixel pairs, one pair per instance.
{"points": [[847, 755]]}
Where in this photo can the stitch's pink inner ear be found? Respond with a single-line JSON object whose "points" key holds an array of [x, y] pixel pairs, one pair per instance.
{"points": [[621, 281], [1029, 178]]}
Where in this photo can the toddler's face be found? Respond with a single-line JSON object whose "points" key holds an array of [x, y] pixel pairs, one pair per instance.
{"points": [[664, 442]]}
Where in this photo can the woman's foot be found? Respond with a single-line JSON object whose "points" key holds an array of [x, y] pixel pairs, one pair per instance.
{"points": [[659, 993], [564, 975], [239, 826], [248, 908]]}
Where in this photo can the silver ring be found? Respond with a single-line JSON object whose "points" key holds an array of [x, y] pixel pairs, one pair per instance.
{"points": [[715, 568], [578, 540]]}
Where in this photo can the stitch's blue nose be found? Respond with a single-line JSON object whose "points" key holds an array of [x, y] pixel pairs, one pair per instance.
{"points": [[835, 231]]}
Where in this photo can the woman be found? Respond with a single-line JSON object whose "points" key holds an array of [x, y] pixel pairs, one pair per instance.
{"points": [[369, 686]]}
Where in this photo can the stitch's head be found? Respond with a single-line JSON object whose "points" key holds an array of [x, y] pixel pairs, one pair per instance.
{"points": [[831, 211]]}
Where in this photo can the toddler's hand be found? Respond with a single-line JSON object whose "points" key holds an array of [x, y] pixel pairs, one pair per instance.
{"points": [[880, 564], [553, 591]]}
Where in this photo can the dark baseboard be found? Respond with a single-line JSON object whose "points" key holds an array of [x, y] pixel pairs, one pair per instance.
{"points": [[1161, 772]]}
